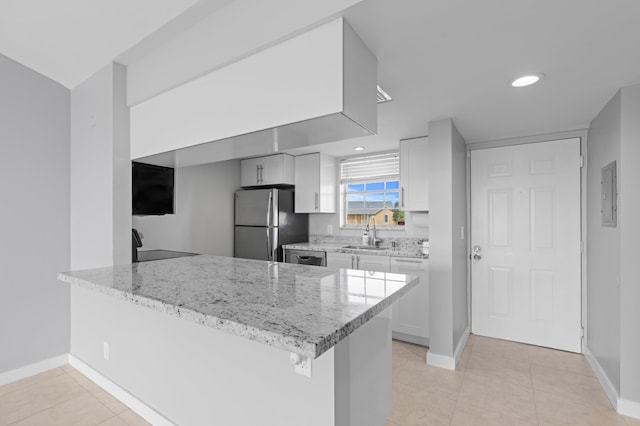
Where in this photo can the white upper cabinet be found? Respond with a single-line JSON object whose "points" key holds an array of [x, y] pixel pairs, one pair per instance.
{"points": [[270, 170], [410, 314], [315, 180], [414, 194]]}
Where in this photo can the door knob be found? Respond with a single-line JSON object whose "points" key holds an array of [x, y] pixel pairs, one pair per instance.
{"points": [[476, 253]]}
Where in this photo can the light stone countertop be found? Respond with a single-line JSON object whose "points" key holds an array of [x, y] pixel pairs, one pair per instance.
{"points": [[400, 251], [298, 308]]}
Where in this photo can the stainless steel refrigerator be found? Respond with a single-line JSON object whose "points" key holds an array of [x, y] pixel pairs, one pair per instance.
{"points": [[264, 221]]}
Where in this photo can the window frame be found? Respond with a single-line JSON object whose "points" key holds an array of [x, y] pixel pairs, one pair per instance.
{"points": [[342, 196]]}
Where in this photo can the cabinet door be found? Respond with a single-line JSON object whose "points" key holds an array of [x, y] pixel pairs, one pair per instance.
{"points": [[272, 169], [307, 183], [410, 314], [277, 170], [250, 172], [340, 260], [414, 194], [369, 262], [316, 183]]}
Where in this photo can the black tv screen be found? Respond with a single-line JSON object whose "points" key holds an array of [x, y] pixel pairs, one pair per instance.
{"points": [[152, 189]]}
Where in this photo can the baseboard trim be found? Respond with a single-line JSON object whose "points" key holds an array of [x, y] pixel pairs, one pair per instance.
{"points": [[449, 362], [629, 408], [621, 405], [423, 341], [461, 344], [441, 361], [606, 384], [135, 404], [33, 369]]}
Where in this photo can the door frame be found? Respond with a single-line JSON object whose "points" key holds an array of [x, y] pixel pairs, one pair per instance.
{"points": [[582, 135]]}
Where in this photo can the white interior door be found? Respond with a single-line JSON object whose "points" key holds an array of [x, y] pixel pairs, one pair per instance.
{"points": [[525, 223]]}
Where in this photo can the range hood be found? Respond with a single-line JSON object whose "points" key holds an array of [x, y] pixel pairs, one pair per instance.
{"points": [[315, 88]]}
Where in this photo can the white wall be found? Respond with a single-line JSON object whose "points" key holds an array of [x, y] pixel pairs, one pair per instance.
{"points": [[100, 176], [293, 81], [227, 35], [193, 374], [34, 225], [447, 252], [603, 249], [203, 222]]}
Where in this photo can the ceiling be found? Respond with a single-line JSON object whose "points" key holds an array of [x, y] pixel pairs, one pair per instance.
{"points": [[455, 58], [70, 40], [436, 58]]}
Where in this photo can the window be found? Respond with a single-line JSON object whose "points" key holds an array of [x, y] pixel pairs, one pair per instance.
{"points": [[370, 187]]}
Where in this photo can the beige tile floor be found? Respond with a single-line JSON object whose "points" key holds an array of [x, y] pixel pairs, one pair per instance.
{"points": [[62, 396], [497, 383]]}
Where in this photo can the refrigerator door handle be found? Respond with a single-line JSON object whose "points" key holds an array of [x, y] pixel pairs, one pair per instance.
{"points": [[269, 207], [269, 252]]}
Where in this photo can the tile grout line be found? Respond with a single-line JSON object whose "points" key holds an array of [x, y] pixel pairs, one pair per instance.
{"points": [[96, 398], [51, 406], [533, 389], [455, 407]]}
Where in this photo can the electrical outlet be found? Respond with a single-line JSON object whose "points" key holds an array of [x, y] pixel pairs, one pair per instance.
{"points": [[329, 229], [105, 350], [302, 364]]}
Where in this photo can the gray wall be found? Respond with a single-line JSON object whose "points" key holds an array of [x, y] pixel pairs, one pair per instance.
{"points": [[630, 233], [613, 288], [100, 171], [203, 222], [34, 230], [603, 246], [459, 241], [447, 253]]}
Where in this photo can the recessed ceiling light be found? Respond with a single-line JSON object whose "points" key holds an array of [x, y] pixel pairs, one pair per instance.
{"points": [[527, 80], [383, 96], [359, 148]]}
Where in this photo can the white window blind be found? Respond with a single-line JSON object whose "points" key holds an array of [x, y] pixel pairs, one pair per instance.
{"points": [[378, 166]]}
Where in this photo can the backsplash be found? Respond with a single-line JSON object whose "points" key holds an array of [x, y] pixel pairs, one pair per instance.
{"points": [[401, 242]]}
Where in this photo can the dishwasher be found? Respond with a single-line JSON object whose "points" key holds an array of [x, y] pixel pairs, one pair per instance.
{"points": [[306, 257]]}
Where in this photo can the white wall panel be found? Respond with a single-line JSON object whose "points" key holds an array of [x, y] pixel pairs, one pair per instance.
{"points": [[234, 30], [298, 79]]}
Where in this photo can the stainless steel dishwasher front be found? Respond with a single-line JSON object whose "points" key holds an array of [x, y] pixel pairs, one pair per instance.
{"points": [[305, 257]]}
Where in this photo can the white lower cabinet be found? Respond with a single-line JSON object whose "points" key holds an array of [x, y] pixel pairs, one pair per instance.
{"points": [[363, 262], [410, 314], [340, 260]]}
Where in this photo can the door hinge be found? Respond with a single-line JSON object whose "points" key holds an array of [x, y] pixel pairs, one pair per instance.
{"points": [[581, 332], [581, 160], [581, 247]]}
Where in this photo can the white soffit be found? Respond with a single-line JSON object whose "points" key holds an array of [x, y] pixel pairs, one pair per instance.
{"points": [[69, 40]]}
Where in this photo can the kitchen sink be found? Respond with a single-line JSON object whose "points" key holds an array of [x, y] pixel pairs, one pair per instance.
{"points": [[365, 248]]}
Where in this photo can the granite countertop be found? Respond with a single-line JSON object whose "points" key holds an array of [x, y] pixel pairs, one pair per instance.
{"points": [[399, 251], [298, 308]]}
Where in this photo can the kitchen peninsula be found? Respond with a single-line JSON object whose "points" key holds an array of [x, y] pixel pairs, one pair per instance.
{"points": [[216, 340]]}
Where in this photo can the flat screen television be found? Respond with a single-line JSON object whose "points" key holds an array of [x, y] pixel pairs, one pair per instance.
{"points": [[153, 189]]}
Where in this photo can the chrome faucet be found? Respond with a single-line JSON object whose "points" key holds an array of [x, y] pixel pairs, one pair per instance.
{"points": [[373, 236]]}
